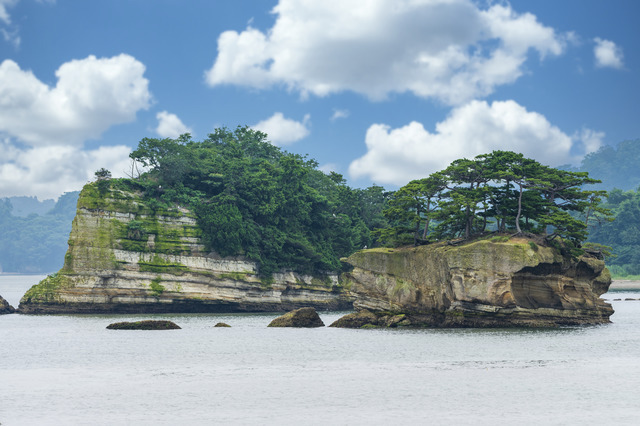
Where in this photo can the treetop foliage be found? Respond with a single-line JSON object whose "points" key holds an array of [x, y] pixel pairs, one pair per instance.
{"points": [[254, 200], [501, 191]]}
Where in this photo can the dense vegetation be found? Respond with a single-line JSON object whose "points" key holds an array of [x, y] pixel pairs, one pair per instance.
{"points": [[502, 191], [254, 200], [35, 243], [623, 234]]}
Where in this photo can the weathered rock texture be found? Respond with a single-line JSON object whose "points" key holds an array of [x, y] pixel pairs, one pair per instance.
{"points": [[300, 318], [5, 307], [478, 284], [124, 257]]}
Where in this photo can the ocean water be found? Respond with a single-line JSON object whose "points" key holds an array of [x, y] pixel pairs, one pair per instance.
{"points": [[71, 370]]}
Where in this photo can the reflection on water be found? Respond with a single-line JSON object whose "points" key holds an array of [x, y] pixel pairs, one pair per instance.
{"points": [[70, 370]]}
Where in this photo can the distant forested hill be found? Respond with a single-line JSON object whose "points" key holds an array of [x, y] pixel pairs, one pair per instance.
{"points": [[623, 234], [24, 206], [31, 242], [617, 167]]}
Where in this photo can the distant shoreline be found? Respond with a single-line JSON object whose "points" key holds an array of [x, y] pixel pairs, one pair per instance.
{"points": [[625, 285]]}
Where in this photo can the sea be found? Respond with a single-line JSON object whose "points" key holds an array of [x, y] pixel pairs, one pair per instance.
{"points": [[71, 370]]}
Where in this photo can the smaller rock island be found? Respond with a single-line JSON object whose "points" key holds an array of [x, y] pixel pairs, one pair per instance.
{"points": [[482, 283]]}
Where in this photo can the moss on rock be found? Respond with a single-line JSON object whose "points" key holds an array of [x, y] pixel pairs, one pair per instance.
{"points": [[300, 318]]}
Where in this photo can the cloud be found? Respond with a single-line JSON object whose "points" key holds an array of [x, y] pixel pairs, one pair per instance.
{"points": [[447, 50], [8, 30], [399, 155], [607, 54], [4, 14], [90, 96], [170, 126], [43, 128], [328, 168], [48, 171], [339, 113], [284, 131]]}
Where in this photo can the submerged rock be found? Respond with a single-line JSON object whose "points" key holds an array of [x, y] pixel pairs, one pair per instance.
{"points": [[5, 307], [302, 318], [477, 284], [144, 325]]}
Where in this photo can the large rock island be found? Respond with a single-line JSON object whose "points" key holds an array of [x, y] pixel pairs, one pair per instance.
{"points": [[128, 256], [485, 283]]}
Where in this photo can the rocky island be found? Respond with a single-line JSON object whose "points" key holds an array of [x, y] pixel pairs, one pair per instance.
{"points": [[484, 283], [234, 224], [124, 257]]}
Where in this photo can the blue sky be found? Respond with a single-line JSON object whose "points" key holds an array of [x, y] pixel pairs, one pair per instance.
{"points": [[382, 91]]}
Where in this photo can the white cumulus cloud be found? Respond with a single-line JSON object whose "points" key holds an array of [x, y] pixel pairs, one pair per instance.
{"points": [[43, 128], [607, 54], [450, 50], [282, 130], [170, 125], [49, 171], [396, 156], [90, 96]]}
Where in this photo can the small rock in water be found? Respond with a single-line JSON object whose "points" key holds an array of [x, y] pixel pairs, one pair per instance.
{"points": [[629, 298], [303, 318], [144, 325], [5, 307], [359, 319], [222, 324]]}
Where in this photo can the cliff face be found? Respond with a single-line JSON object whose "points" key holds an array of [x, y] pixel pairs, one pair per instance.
{"points": [[125, 257], [483, 283]]}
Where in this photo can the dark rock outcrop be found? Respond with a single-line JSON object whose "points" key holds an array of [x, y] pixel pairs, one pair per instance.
{"points": [[144, 325], [357, 320], [301, 318], [477, 284], [222, 324], [5, 307]]}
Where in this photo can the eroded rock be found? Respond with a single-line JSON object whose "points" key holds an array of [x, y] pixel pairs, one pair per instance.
{"points": [[125, 257], [5, 307], [301, 318], [478, 284]]}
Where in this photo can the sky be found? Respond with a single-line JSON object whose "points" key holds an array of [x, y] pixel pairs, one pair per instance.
{"points": [[380, 91]]}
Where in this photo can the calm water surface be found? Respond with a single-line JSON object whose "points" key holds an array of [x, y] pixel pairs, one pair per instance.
{"points": [[71, 370]]}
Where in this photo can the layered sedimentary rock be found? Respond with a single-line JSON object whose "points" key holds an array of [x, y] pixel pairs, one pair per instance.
{"points": [[479, 284], [5, 307], [128, 256]]}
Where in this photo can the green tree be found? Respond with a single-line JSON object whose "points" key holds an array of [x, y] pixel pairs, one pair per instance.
{"points": [[254, 200]]}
